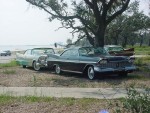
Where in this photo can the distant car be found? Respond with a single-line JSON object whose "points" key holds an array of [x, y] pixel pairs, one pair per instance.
{"points": [[116, 50], [5, 53], [8, 52], [36, 57], [89, 61]]}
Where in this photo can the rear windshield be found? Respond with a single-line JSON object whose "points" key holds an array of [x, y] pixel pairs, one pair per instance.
{"points": [[91, 51]]}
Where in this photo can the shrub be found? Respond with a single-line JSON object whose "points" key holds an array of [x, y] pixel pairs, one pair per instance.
{"points": [[135, 102]]}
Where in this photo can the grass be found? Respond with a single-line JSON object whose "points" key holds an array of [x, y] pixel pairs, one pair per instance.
{"points": [[144, 50], [134, 102], [67, 104], [143, 64], [6, 99], [13, 63]]}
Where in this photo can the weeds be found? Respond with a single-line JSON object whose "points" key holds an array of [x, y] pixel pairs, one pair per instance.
{"points": [[142, 50], [135, 102], [13, 63]]}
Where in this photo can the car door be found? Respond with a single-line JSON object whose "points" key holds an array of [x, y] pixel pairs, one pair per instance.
{"points": [[70, 60], [28, 57], [74, 61]]}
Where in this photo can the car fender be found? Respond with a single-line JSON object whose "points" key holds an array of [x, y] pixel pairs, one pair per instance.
{"points": [[86, 66]]}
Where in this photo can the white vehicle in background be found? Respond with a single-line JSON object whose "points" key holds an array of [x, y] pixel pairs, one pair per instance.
{"points": [[36, 57], [5, 53]]}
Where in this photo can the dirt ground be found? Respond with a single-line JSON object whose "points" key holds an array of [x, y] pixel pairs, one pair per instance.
{"points": [[27, 77], [59, 106]]}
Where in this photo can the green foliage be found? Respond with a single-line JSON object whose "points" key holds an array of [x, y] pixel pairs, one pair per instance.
{"points": [[139, 62], [137, 102], [144, 50], [124, 29], [6, 99], [13, 63], [86, 18]]}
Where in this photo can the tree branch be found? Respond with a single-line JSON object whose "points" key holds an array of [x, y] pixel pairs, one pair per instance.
{"points": [[124, 7], [89, 3]]}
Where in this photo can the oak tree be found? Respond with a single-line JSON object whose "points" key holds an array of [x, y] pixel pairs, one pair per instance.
{"points": [[87, 18]]}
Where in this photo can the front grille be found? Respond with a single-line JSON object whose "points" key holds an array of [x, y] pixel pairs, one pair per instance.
{"points": [[42, 59], [116, 64]]}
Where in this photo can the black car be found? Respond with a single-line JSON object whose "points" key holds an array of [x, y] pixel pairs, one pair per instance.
{"points": [[91, 61]]}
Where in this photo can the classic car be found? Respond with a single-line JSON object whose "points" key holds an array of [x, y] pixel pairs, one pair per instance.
{"points": [[116, 50], [35, 57], [91, 62]]}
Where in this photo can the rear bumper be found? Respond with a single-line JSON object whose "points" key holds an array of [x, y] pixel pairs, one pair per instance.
{"points": [[128, 69]]}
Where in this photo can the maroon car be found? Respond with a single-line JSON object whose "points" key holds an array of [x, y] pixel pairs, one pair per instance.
{"points": [[116, 50]]}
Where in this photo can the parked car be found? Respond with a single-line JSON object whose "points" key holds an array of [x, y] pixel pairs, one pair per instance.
{"points": [[8, 52], [90, 61], [5, 53], [2, 53], [116, 50], [36, 57]]}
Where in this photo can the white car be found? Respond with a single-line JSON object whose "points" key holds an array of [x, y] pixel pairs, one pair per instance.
{"points": [[3, 53]]}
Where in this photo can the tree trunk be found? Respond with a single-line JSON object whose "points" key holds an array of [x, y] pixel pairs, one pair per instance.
{"points": [[141, 42], [149, 42], [125, 41], [116, 40], [99, 38]]}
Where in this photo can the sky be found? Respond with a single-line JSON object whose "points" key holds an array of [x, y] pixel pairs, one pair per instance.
{"points": [[23, 24]]}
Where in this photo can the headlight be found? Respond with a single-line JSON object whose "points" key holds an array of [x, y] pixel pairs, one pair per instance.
{"points": [[42, 59], [131, 59], [103, 62]]}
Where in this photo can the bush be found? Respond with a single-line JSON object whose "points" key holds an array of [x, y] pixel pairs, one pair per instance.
{"points": [[135, 102]]}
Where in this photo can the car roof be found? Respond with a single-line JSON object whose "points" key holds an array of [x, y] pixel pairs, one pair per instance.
{"points": [[43, 48], [76, 48]]}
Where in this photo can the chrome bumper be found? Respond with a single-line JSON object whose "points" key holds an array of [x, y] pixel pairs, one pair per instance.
{"points": [[120, 69]]}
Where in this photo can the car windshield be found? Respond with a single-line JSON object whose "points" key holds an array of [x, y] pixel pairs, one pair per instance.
{"points": [[42, 51], [91, 51], [115, 49]]}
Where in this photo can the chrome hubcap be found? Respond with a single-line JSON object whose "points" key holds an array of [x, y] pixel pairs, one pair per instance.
{"points": [[91, 73], [36, 67], [57, 69]]}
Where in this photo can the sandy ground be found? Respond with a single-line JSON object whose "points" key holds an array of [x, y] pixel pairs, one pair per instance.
{"points": [[27, 77]]}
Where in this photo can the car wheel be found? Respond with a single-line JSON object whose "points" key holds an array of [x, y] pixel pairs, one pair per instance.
{"points": [[91, 73], [24, 66], [36, 67], [123, 74], [57, 69]]}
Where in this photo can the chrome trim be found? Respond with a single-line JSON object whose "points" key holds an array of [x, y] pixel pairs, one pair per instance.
{"points": [[71, 71], [73, 61]]}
